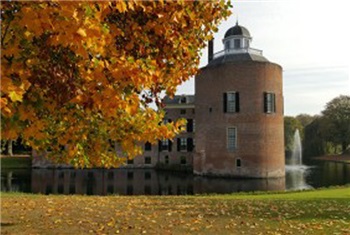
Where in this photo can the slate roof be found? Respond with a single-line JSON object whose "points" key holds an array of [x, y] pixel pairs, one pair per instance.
{"points": [[237, 57], [237, 30]]}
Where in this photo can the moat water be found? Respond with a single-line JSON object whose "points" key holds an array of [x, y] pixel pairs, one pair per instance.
{"points": [[152, 182]]}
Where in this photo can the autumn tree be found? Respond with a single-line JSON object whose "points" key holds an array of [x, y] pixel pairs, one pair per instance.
{"points": [[337, 121], [77, 77]]}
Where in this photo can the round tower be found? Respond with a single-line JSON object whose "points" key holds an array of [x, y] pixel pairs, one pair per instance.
{"points": [[239, 112]]}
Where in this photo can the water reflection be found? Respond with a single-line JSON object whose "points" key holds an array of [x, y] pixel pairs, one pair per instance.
{"points": [[151, 182], [139, 182], [15, 180], [296, 177], [331, 173]]}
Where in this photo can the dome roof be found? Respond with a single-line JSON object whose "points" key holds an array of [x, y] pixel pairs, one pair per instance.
{"points": [[236, 31]]}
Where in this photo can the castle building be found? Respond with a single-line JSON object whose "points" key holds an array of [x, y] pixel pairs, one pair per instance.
{"points": [[239, 112]]}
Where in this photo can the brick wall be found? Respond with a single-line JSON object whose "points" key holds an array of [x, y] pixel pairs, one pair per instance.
{"points": [[260, 141]]}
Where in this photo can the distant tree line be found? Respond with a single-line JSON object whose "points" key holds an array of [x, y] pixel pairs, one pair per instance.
{"points": [[328, 133]]}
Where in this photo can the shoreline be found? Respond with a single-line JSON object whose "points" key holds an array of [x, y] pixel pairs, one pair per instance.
{"points": [[334, 158]]}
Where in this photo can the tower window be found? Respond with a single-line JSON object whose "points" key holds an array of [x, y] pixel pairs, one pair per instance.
{"points": [[269, 102], [231, 102], [231, 138], [238, 163], [237, 43]]}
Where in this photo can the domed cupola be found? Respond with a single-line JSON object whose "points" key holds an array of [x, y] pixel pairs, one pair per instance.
{"points": [[237, 30], [237, 37], [236, 42]]}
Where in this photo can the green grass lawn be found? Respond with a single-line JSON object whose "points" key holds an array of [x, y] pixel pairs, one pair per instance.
{"points": [[325, 211], [15, 162]]}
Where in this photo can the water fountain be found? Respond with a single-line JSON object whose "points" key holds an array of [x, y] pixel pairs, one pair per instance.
{"points": [[296, 159], [296, 171]]}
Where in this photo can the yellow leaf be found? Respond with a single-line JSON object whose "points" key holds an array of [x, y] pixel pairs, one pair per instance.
{"points": [[128, 109], [81, 32], [27, 33], [14, 96], [121, 6]]}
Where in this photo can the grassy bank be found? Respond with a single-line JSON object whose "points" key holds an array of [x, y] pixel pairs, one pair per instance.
{"points": [[15, 162], [324, 211]]}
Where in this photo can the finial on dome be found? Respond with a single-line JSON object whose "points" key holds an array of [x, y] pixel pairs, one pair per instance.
{"points": [[237, 20]]}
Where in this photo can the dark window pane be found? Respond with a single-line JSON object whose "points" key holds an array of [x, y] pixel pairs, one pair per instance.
{"points": [[148, 146], [148, 160], [238, 163], [269, 102]]}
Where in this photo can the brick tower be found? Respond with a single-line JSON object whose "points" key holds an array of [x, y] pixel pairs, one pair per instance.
{"points": [[239, 112]]}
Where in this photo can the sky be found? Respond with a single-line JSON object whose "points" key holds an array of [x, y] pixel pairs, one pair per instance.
{"points": [[310, 39]]}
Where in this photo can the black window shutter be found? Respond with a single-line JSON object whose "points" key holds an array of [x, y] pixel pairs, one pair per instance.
{"points": [[225, 102], [170, 145], [178, 144], [265, 102], [189, 144], [274, 102], [237, 102], [189, 125], [160, 145]]}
